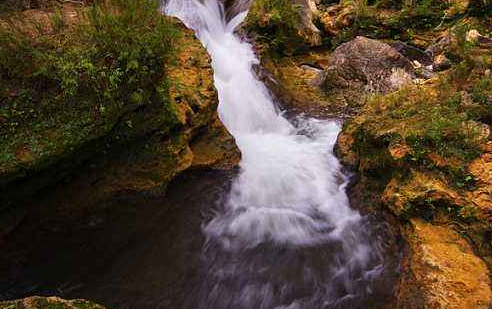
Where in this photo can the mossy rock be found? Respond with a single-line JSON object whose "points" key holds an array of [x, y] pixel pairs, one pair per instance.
{"points": [[36, 302], [282, 27], [435, 125], [47, 133]]}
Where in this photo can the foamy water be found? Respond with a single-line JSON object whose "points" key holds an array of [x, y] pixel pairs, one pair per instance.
{"points": [[290, 191]]}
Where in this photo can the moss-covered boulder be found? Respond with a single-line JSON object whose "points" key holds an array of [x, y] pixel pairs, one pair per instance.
{"points": [[367, 65], [422, 152], [91, 82], [283, 27]]}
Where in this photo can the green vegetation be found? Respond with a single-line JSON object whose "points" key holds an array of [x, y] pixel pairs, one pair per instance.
{"points": [[482, 92], [360, 7], [428, 208], [74, 84], [441, 126], [443, 130], [276, 22], [435, 128], [388, 19], [480, 7], [422, 14]]}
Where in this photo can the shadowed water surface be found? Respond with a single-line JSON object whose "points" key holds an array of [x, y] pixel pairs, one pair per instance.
{"points": [[148, 253], [134, 252], [280, 234]]}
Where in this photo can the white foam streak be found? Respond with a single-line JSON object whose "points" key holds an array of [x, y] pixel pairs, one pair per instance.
{"points": [[290, 189]]}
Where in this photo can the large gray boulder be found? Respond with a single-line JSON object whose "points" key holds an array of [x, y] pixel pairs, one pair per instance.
{"points": [[367, 65]]}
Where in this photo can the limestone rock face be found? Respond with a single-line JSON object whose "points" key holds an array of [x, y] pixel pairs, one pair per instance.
{"points": [[444, 269], [295, 81], [367, 65], [481, 197], [400, 195]]}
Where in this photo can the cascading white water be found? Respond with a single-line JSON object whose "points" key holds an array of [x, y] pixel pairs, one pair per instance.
{"points": [[290, 189], [290, 192]]}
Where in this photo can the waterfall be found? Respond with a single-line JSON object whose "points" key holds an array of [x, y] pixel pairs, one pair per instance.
{"points": [[286, 236]]}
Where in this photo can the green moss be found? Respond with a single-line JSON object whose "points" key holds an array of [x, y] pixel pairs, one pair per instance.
{"points": [[83, 304], [482, 92], [432, 126], [388, 19], [42, 303], [423, 14], [429, 208], [276, 22], [480, 7], [62, 90], [442, 131]]}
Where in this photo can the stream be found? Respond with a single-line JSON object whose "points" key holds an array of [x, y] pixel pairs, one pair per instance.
{"points": [[287, 237], [279, 234]]}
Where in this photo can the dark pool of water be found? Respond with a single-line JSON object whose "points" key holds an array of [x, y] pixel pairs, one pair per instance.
{"points": [[148, 252]]}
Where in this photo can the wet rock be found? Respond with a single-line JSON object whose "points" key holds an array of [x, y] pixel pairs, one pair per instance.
{"points": [[215, 149], [441, 63], [234, 7], [412, 53], [440, 45], [443, 271], [37, 302], [295, 82], [316, 74], [367, 65]]}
